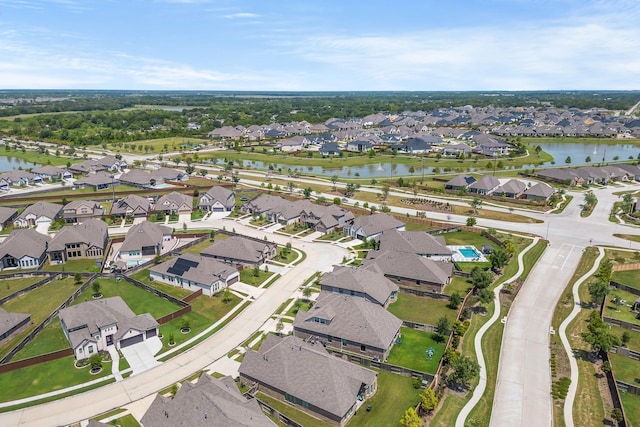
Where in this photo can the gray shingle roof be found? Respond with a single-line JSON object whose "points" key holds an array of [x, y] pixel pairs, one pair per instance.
{"points": [[92, 232], [376, 223], [9, 320], [144, 234], [238, 248], [205, 271], [513, 186], [371, 283], [42, 209], [75, 204], [131, 203], [307, 372], [486, 183], [174, 201], [6, 214], [210, 402], [25, 242], [166, 174], [415, 242], [224, 196], [540, 190], [409, 266], [136, 177], [351, 318], [461, 181], [99, 178]]}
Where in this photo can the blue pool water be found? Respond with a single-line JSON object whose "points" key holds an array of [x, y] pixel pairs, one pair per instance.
{"points": [[163, 186], [469, 252], [134, 262]]}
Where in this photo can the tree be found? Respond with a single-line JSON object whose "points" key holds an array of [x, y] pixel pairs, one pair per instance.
{"points": [[96, 288], [567, 160], [454, 300], [226, 295], [464, 371], [605, 271], [443, 328], [475, 204], [291, 186], [598, 291], [588, 159], [307, 192], [485, 296], [480, 279], [617, 415], [471, 221], [334, 180], [428, 400], [598, 335], [256, 270], [306, 293], [350, 189], [498, 259], [385, 191], [590, 199], [95, 361], [410, 418], [625, 338], [77, 278]]}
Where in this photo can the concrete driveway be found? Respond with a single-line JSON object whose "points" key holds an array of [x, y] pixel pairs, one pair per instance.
{"points": [[140, 356]]}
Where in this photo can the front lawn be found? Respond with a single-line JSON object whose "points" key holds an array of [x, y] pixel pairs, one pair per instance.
{"points": [[297, 306], [51, 338], [138, 300], [248, 276], [412, 352], [45, 377], [75, 265], [9, 286], [285, 255], [421, 309], [394, 395]]}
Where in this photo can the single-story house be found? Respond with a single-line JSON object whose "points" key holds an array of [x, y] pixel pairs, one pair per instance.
{"points": [[360, 282], [18, 178], [163, 174], [273, 209], [208, 402], [136, 178], [512, 189], [456, 150], [413, 146], [460, 182], [7, 215], [81, 210], [86, 240], [241, 250], [195, 272], [10, 323], [92, 326], [23, 249], [132, 205], [561, 175], [308, 377], [359, 146], [367, 227], [323, 218], [145, 239], [485, 185], [107, 163], [329, 149], [51, 173], [295, 143], [217, 199], [97, 181], [174, 203], [540, 192], [38, 213], [416, 242]]}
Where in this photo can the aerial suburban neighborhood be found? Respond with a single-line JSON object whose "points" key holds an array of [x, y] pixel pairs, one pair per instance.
{"points": [[457, 265]]}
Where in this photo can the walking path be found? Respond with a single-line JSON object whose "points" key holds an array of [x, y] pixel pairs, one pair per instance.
{"points": [[573, 363]]}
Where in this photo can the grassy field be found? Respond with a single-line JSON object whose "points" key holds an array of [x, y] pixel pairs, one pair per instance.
{"points": [[458, 284], [421, 309], [126, 421], [157, 145], [466, 238], [627, 277], [44, 378], [138, 300], [631, 404], [51, 338], [81, 265], [9, 286], [41, 159], [39, 303], [632, 237], [411, 353], [625, 369], [634, 343]]}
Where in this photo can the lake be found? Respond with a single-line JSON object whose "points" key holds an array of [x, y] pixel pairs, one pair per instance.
{"points": [[9, 163], [579, 152]]}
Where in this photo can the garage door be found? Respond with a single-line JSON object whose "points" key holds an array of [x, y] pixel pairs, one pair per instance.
{"points": [[233, 280], [218, 209], [151, 333], [130, 341]]}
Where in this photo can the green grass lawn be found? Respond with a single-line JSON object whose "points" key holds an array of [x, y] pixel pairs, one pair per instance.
{"points": [[304, 306], [628, 277], [287, 258], [631, 404], [468, 266], [634, 343], [81, 265], [51, 338], [394, 395], [205, 311], [174, 143], [174, 291], [247, 276], [199, 247], [458, 284], [39, 303], [412, 352], [44, 378], [621, 312], [421, 309], [292, 412], [466, 238], [138, 300], [625, 369], [126, 421], [9, 286]]}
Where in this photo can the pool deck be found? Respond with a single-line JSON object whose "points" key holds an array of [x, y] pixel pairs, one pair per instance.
{"points": [[458, 257]]}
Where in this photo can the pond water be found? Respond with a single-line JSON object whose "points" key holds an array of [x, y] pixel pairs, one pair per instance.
{"points": [[579, 152], [9, 163]]}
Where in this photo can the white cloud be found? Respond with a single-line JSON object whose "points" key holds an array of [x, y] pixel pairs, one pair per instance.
{"points": [[241, 15]]}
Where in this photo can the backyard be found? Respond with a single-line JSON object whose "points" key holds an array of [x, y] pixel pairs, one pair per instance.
{"points": [[412, 351], [627, 277], [51, 338], [9, 286], [421, 309], [174, 291], [75, 265], [622, 311]]}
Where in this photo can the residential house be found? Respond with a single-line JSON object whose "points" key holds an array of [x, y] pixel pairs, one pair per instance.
{"points": [[97, 181], [539, 192], [485, 185], [20, 178], [39, 213], [360, 282], [410, 270], [144, 241], [359, 146], [86, 240], [367, 227], [349, 323], [93, 326], [217, 199], [163, 174], [23, 249], [416, 242], [78, 211], [107, 163], [174, 203], [308, 377], [11, 323], [561, 175], [208, 402], [456, 150], [412, 146], [131, 205], [7, 215], [329, 149], [194, 272], [512, 189], [491, 146], [295, 143], [323, 218], [273, 209], [136, 178], [51, 173], [459, 183], [241, 250]]}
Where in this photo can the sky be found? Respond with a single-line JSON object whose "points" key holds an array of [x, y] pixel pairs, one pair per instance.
{"points": [[326, 45]]}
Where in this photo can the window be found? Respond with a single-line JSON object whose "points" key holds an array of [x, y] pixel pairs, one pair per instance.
{"points": [[344, 341], [90, 349], [363, 347]]}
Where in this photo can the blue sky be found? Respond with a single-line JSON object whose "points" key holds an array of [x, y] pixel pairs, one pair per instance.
{"points": [[320, 45]]}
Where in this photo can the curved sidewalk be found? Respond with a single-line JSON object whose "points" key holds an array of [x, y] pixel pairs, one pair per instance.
{"points": [[478, 392], [573, 363]]}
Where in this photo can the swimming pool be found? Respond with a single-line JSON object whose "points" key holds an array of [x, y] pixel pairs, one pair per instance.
{"points": [[163, 186], [469, 252], [134, 262]]}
